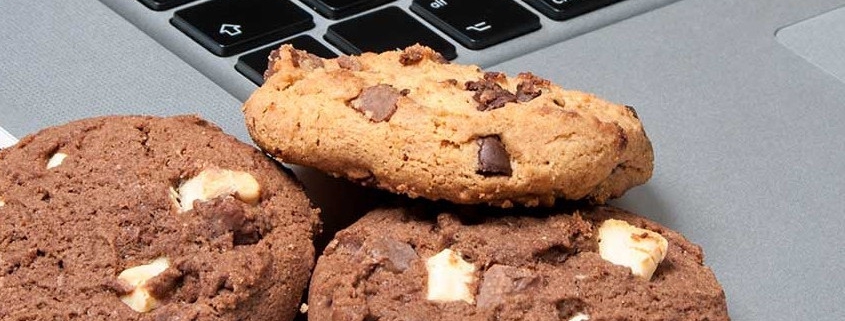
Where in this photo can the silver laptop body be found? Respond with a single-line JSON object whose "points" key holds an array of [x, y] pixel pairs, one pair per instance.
{"points": [[743, 100]]}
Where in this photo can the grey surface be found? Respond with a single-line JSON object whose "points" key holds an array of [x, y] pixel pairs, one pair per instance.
{"points": [[820, 40], [220, 70], [747, 134]]}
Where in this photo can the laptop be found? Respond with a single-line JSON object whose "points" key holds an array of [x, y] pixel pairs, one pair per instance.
{"points": [[743, 101]]}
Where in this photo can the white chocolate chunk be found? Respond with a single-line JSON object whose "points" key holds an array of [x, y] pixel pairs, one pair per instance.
{"points": [[2, 202], [450, 278], [639, 249], [56, 160], [140, 298], [580, 316], [215, 182]]}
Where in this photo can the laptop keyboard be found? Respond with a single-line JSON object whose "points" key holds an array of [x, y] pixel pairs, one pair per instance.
{"points": [[230, 27], [229, 40]]}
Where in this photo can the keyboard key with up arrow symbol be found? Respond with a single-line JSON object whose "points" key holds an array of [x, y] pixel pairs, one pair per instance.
{"points": [[227, 27]]}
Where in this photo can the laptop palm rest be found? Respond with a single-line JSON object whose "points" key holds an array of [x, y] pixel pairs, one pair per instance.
{"points": [[819, 40]]}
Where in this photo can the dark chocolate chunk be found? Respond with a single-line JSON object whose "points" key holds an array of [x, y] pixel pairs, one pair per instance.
{"points": [[223, 216], [495, 76], [500, 281], [274, 55], [529, 88], [410, 56], [633, 111], [349, 63], [493, 158], [394, 256], [489, 94], [305, 60], [377, 102]]}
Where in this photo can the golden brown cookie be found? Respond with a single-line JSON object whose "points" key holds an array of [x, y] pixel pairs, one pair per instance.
{"points": [[409, 122]]}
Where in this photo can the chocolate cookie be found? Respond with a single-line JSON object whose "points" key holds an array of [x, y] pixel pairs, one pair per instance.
{"points": [[408, 122], [142, 218], [595, 263]]}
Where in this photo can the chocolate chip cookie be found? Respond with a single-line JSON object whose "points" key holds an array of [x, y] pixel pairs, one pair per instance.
{"points": [[409, 122], [588, 263], [143, 218]]}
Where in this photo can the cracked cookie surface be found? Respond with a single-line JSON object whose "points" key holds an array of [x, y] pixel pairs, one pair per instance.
{"points": [[409, 122], [459, 263], [143, 218]]}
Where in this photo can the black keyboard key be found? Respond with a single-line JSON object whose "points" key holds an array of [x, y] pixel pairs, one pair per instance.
{"points": [[227, 27], [478, 24], [254, 64], [336, 9], [159, 5], [565, 9], [384, 30]]}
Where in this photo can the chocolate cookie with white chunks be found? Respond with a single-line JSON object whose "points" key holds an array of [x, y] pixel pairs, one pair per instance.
{"points": [[146, 218], [409, 122], [589, 263]]}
